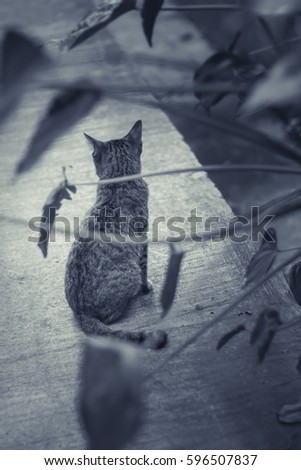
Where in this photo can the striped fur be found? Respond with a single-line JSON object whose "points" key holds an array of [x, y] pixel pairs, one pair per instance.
{"points": [[102, 278]]}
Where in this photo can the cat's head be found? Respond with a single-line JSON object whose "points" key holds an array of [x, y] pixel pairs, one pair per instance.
{"points": [[118, 157]]}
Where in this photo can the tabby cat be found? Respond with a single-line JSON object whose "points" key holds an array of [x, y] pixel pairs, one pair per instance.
{"points": [[103, 277]]}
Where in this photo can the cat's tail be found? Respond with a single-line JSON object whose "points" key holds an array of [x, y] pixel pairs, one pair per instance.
{"points": [[93, 326]]}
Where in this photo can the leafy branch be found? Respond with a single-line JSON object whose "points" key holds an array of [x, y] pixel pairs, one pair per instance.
{"points": [[243, 295], [76, 99], [237, 130]]}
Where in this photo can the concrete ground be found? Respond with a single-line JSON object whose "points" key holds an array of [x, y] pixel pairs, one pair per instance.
{"points": [[202, 399]]}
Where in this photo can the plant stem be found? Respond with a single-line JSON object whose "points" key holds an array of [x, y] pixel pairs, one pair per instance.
{"points": [[285, 250], [270, 35], [280, 206], [206, 168], [199, 8], [244, 294], [287, 199], [268, 48]]}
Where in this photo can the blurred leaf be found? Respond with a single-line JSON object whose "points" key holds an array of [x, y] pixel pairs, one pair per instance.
{"points": [[294, 280], [223, 68], [110, 396], [234, 42], [281, 85], [20, 54], [269, 33], [21, 58], [171, 278], [262, 261], [290, 117], [149, 15], [103, 14], [283, 204], [155, 340], [273, 7], [224, 339], [68, 107], [265, 328], [50, 208], [215, 70], [290, 414], [292, 128]]}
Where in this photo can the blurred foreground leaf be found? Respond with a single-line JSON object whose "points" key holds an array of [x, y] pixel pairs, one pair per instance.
{"points": [[149, 15], [68, 107], [225, 338], [273, 7], [225, 68], [265, 328], [21, 58], [262, 261], [50, 208], [280, 87], [290, 414], [110, 397], [171, 278], [103, 14], [294, 280]]}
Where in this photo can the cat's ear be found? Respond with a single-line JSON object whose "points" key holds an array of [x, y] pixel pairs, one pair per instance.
{"points": [[135, 133], [95, 143]]}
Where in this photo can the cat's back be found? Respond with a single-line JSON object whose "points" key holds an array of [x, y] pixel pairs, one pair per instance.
{"points": [[103, 259]]}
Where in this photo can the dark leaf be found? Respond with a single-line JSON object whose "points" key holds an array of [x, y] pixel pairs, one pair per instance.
{"points": [[171, 278], [290, 414], [21, 58], [225, 68], [20, 54], [290, 117], [258, 328], [292, 126], [149, 14], [110, 397], [265, 328], [103, 14], [50, 208], [8, 103], [263, 259], [68, 107], [273, 7], [294, 280], [280, 87], [216, 70], [224, 339], [155, 340], [233, 44]]}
